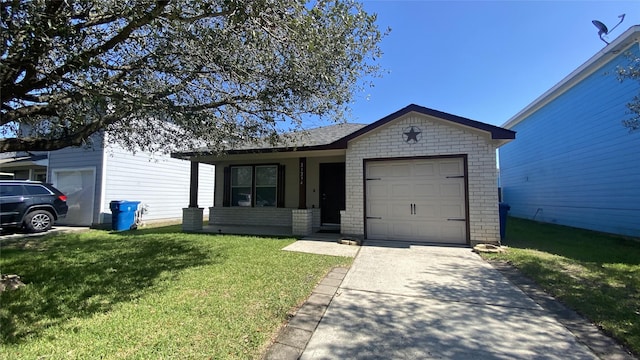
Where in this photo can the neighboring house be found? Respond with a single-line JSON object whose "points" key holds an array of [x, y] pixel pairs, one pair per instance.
{"points": [[417, 175], [92, 178], [23, 165], [574, 163]]}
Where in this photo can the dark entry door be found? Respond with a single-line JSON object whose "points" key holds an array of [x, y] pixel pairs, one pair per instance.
{"points": [[332, 192]]}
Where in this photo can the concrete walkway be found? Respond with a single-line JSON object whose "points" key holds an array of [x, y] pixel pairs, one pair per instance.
{"points": [[427, 302]]}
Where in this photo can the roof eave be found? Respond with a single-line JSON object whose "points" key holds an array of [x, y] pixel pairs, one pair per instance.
{"points": [[495, 131], [621, 43], [332, 146]]}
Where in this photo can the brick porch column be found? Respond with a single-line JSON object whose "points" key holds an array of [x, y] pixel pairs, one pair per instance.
{"points": [[192, 219], [301, 222]]}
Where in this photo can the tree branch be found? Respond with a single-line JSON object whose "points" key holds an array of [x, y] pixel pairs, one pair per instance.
{"points": [[76, 138], [82, 58]]}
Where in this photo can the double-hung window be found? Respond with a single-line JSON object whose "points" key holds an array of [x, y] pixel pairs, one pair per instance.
{"points": [[266, 185], [254, 185], [241, 184]]}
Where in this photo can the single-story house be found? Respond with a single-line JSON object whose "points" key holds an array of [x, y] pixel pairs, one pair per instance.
{"points": [[574, 163], [93, 177], [416, 175]]}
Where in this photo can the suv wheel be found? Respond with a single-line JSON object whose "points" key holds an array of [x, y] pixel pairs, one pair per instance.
{"points": [[38, 221]]}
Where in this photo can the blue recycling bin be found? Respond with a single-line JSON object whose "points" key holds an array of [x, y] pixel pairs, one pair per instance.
{"points": [[504, 210], [123, 214]]}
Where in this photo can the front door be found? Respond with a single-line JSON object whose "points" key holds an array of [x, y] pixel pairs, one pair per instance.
{"points": [[332, 192]]}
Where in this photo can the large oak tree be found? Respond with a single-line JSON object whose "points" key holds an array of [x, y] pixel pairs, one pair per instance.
{"points": [[631, 72], [174, 74]]}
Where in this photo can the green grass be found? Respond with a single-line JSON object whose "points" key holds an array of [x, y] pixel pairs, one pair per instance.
{"points": [[596, 274], [152, 293]]}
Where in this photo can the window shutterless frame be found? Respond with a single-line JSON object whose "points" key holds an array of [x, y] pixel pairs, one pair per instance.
{"points": [[254, 185]]}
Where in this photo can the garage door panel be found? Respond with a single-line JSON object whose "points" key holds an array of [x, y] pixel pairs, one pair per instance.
{"points": [[375, 171], [414, 200], [427, 211], [389, 210], [424, 190], [402, 230], [400, 170], [398, 211], [377, 210], [451, 168], [452, 211], [376, 190], [451, 190], [453, 234], [378, 229], [424, 169], [400, 189]]}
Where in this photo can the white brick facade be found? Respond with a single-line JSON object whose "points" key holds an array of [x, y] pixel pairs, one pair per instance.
{"points": [[192, 219], [441, 135], [437, 138], [302, 221]]}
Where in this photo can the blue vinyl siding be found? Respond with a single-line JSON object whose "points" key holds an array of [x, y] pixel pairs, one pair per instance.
{"points": [[573, 163]]}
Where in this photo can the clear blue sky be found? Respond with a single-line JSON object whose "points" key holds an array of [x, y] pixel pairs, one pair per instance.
{"points": [[484, 60]]}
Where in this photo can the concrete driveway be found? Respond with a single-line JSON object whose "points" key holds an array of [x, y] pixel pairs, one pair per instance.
{"points": [[429, 302]]}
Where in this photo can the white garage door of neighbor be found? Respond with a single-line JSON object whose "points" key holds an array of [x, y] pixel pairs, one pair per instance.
{"points": [[416, 200], [79, 186]]}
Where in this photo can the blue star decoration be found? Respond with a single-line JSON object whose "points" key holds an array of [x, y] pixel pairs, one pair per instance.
{"points": [[411, 134]]}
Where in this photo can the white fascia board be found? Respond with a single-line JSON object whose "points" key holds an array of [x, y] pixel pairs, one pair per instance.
{"points": [[601, 58]]}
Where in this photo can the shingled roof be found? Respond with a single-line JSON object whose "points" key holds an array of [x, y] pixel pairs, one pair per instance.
{"points": [[303, 139], [337, 136]]}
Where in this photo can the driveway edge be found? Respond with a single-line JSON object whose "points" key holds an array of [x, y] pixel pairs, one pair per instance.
{"points": [[292, 339], [589, 334]]}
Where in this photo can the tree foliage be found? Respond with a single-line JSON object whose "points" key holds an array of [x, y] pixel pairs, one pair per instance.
{"points": [[631, 72], [173, 74]]}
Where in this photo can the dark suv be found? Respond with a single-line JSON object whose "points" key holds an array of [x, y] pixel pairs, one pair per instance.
{"points": [[32, 205]]}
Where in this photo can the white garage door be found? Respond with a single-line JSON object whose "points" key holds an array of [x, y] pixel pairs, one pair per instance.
{"points": [[79, 186], [416, 200]]}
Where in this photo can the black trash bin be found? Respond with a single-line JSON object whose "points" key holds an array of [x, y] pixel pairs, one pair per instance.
{"points": [[504, 210], [123, 214]]}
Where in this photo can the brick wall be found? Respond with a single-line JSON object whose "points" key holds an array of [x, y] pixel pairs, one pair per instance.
{"points": [[302, 221], [438, 138], [257, 216]]}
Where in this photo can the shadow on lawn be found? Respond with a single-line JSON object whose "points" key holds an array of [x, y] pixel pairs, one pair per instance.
{"points": [[72, 275], [595, 273]]}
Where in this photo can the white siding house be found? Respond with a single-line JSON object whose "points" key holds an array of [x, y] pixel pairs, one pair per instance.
{"points": [[93, 177], [574, 163], [160, 183]]}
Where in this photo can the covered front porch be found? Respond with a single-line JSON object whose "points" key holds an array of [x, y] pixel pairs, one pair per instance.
{"points": [[294, 188], [280, 194]]}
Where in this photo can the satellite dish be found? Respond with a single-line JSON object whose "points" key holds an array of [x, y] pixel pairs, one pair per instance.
{"points": [[602, 28]]}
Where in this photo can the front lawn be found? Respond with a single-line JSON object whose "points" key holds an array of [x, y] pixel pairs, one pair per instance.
{"points": [[154, 293], [596, 274]]}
